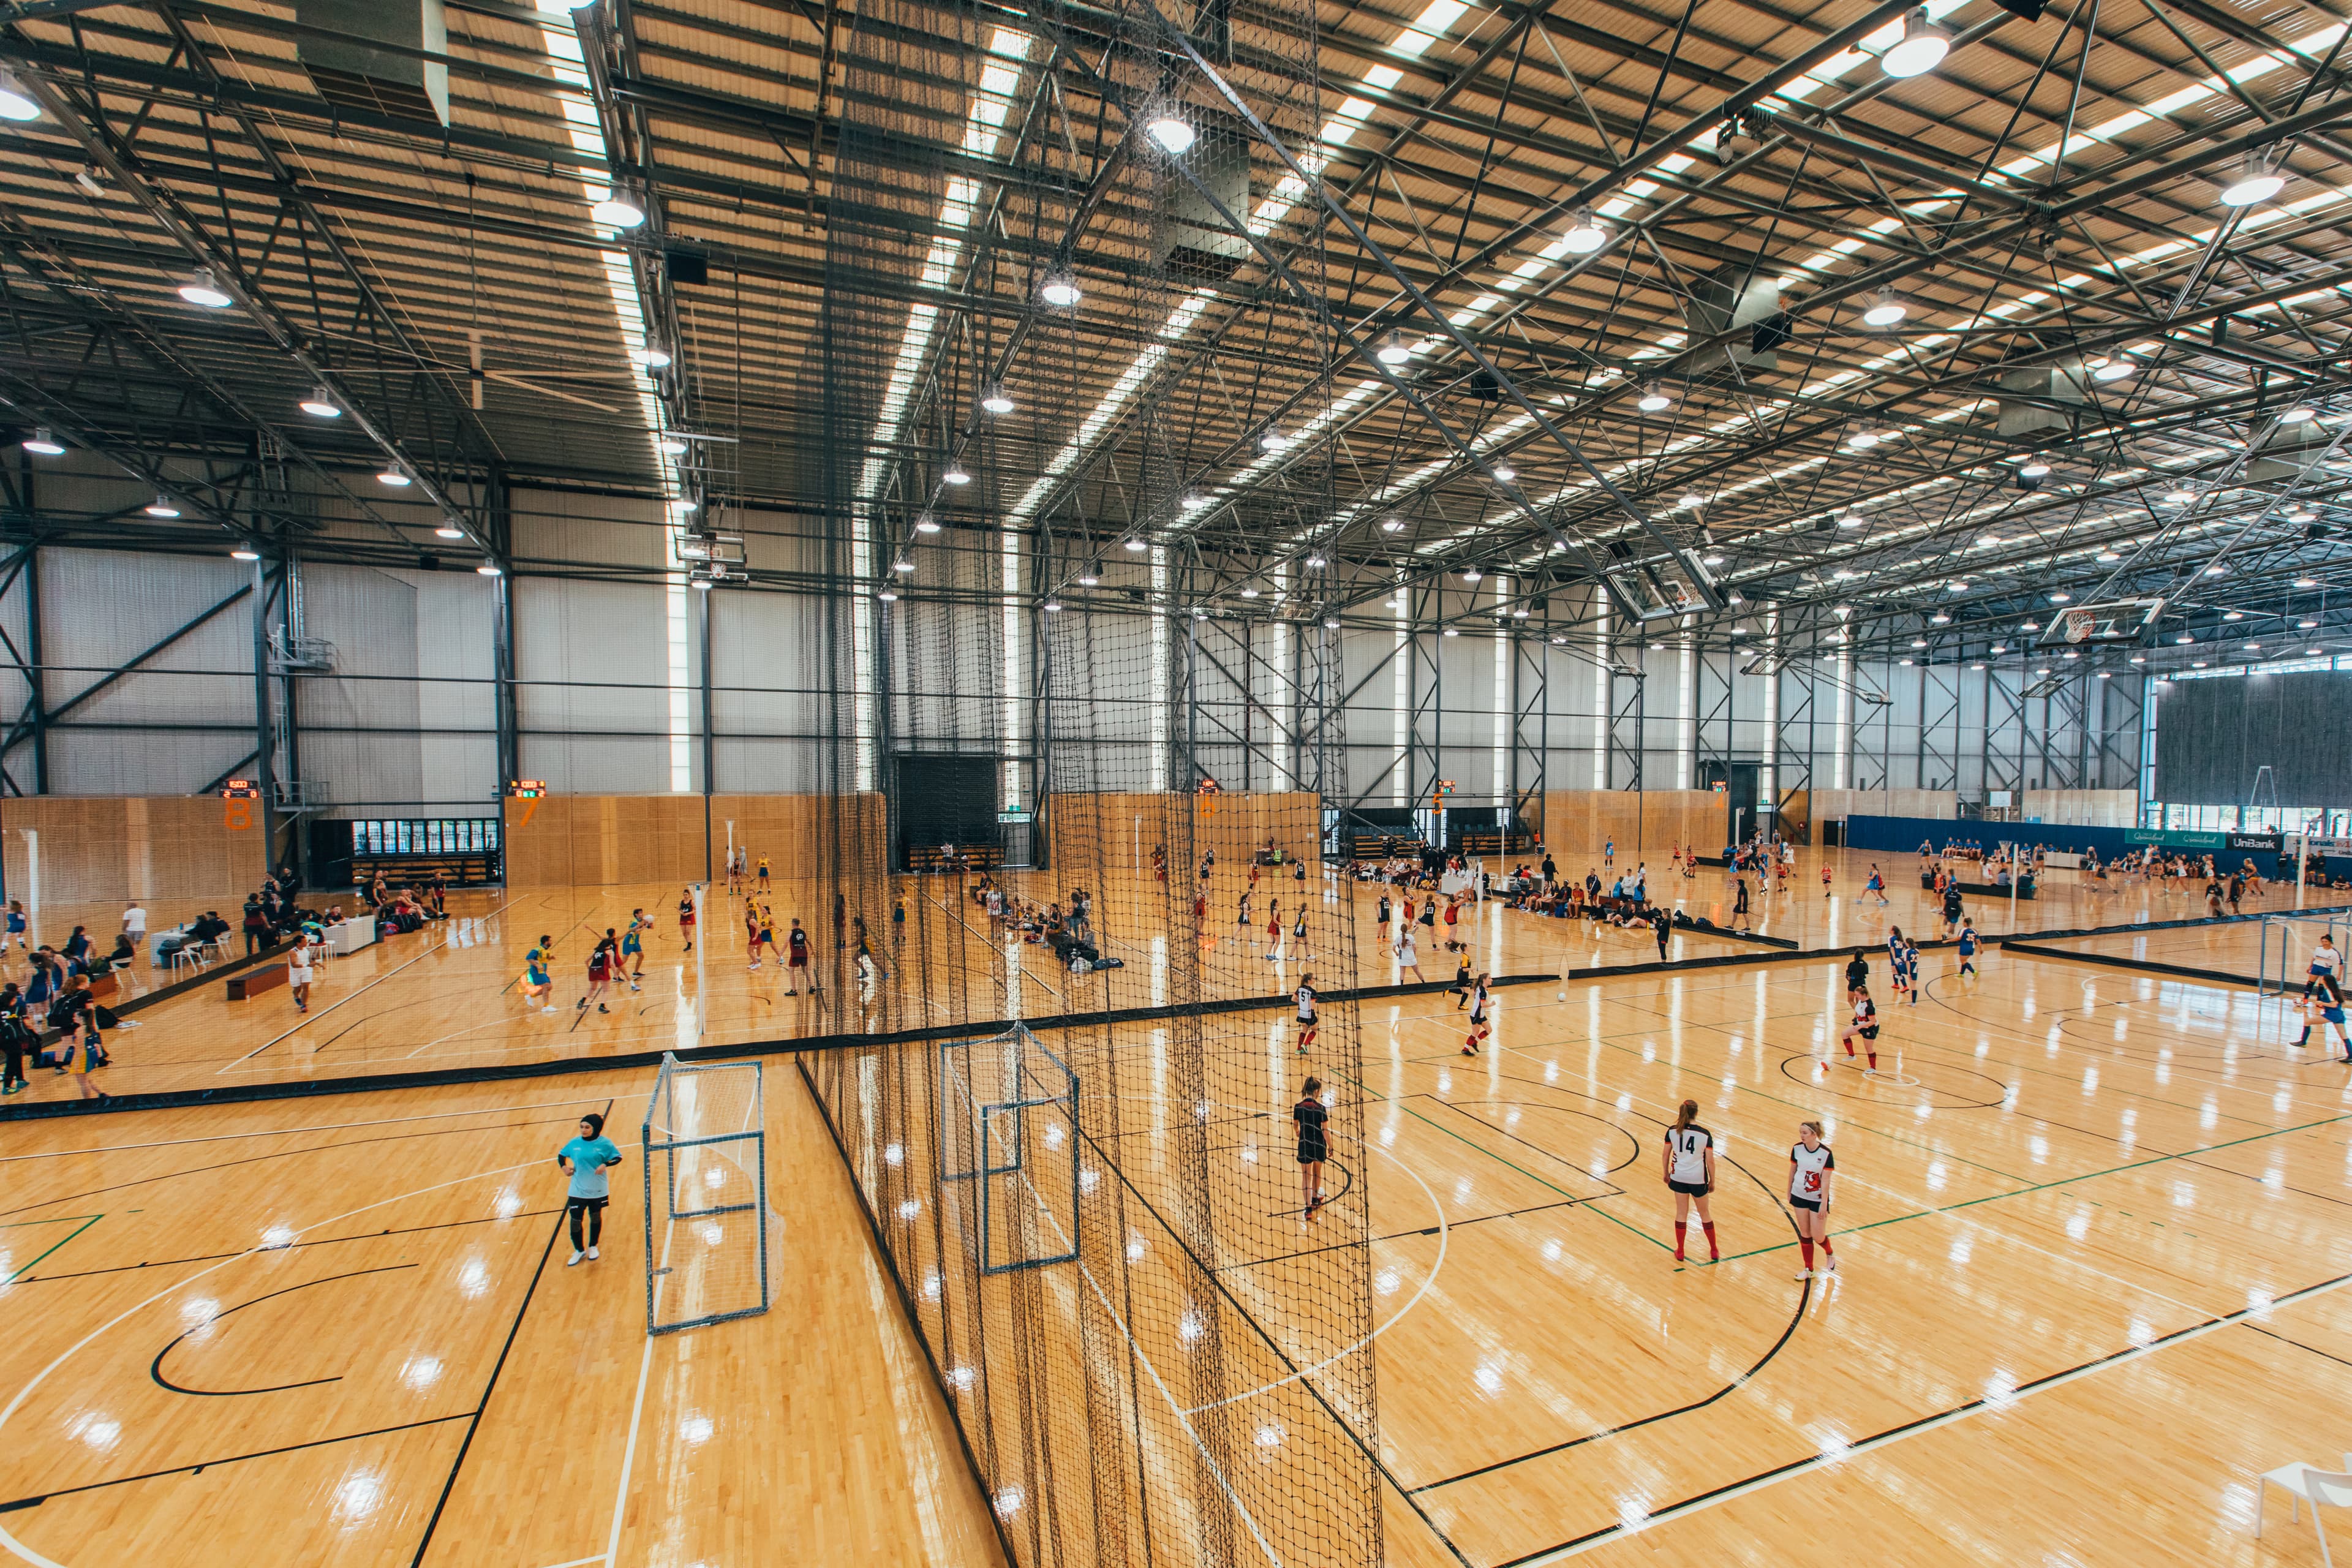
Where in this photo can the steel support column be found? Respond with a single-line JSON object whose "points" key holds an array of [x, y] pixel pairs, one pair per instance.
{"points": [[264, 739]]}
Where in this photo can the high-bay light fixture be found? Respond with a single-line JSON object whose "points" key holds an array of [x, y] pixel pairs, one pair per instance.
{"points": [[244, 551], [2115, 369], [1393, 349], [1585, 235], [2256, 182], [202, 288], [619, 207], [955, 474], [1503, 473], [41, 444], [995, 400], [1060, 290], [450, 528], [1172, 131], [162, 506], [320, 405], [926, 523], [1921, 48], [1886, 310], [16, 103], [394, 479], [1653, 399]]}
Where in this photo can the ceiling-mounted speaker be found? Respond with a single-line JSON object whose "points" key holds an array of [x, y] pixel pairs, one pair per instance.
{"points": [[687, 266], [2024, 10], [428, 563]]}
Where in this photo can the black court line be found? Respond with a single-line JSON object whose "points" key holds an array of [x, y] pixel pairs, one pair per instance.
{"points": [[290, 1247], [367, 1083], [1816, 1461], [2136, 965], [156, 1367], [1418, 1232], [1804, 1298], [473, 1425], [273, 1154], [201, 1465], [2273, 1333]]}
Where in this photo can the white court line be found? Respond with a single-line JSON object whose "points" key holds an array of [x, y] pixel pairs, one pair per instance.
{"points": [[577, 1562], [1435, 1268], [1888, 1439], [312, 1017], [289, 1131], [16, 1404], [629, 1454], [1183, 1418]]}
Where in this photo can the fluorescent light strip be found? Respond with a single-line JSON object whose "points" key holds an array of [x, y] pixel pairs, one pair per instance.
{"points": [[1337, 131], [586, 133]]}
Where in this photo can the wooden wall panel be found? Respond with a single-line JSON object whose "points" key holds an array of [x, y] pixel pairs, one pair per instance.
{"points": [[1646, 822], [102, 849], [623, 840]]}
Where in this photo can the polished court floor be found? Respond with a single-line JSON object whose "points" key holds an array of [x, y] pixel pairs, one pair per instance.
{"points": [[2089, 1222], [449, 997]]}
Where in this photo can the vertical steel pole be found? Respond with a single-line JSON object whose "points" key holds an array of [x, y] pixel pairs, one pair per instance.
{"points": [[264, 771], [37, 711]]}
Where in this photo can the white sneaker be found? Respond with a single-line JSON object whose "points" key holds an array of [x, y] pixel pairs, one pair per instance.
{"points": [[1804, 1274], [1832, 1266], [591, 1255], [549, 1008], [575, 1259]]}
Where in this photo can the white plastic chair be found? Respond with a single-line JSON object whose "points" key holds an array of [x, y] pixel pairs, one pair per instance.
{"points": [[2306, 1484]]}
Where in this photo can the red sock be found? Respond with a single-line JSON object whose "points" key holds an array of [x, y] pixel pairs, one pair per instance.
{"points": [[1873, 1061], [1826, 1247], [1682, 1228], [1849, 1048], [1807, 1248], [1709, 1226]]}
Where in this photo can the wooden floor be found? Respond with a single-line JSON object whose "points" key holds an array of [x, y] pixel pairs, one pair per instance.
{"points": [[2090, 1226], [447, 997], [342, 1332]]}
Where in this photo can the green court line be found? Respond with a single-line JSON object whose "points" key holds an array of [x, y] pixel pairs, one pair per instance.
{"points": [[2063, 1181], [1579, 1200], [86, 1221]]}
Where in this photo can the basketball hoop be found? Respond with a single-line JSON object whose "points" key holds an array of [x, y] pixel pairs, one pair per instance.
{"points": [[2119, 618]]}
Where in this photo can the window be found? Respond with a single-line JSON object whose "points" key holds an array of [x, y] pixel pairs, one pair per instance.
{"points": [[427, 836]]}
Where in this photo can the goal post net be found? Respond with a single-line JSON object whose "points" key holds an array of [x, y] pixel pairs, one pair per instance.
{"points": [[2288, 941], [1009, 1150], [705, 1144]]}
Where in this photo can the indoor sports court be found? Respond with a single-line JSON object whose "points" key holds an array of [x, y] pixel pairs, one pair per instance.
{"points": [[1416, 785]]}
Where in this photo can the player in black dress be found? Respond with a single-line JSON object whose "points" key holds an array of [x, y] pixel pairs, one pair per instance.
{"points": [[1309, 1115]]}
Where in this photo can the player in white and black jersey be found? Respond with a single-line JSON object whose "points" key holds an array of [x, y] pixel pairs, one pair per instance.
{"points": [[1305, 997], [1386, 911], [1865, 1024], [1479, 1028], [1690, 1176], [1811, 1169]]}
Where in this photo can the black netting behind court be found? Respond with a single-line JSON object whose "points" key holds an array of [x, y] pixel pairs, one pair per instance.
{"points": [[1071, 741]]}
